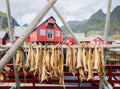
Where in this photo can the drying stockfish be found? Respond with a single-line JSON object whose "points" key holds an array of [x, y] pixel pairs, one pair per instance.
{"points": [[44, 75], [81, 74], [90, 64], [96, 59], [52, 63], [40, 63], [101, 64], [74, 60], [4, 74], [84, 60], [33, 55], [57, 57], [20, 60], [37, 60], [79, 57], [61, 67], [48, 61], [28, 57], [68, 55], [79, 63], [71, 60]]}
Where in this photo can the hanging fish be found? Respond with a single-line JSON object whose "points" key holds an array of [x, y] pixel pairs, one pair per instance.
{"points": [[96, 59], [74, 60], [84, 60], [28, 61], [79, 57], [44, 75], [90, 64], [68, 56], [61, 69], [33, 54]]}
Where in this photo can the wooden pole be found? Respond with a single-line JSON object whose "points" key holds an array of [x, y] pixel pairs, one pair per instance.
{"points": [[11, 31], [9, 21], [107, 22], [65, 24], [6, 58], [102, 83]]}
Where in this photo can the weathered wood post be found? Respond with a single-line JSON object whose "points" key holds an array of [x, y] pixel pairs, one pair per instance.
{"points": [[6, 58], [103, 82], [64, 22], [9, 21], [107, 23], [11, 31]]}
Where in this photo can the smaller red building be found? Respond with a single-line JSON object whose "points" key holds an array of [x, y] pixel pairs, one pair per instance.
{"points": [[48, 32], [96, 40], [4, 38]]}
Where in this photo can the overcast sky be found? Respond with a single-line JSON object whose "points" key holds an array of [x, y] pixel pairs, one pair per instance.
{"points": [[25, 10]]}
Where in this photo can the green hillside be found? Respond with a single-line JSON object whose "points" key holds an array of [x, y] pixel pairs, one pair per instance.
{"points": [[97, 23], [75, 26]]}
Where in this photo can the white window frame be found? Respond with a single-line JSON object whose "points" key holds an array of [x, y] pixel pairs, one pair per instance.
{"points": [[52, 34], [57, 33], [42, 32]]}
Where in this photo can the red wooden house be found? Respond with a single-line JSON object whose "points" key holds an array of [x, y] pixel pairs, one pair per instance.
{"points": [[4, 38], [96, 40], [48, 32]]}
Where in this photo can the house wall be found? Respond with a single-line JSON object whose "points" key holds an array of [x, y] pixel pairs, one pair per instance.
{"points": [[28, 40], [1, 42], [109, 43], [98, 41], [33, 36], [36, 35]]}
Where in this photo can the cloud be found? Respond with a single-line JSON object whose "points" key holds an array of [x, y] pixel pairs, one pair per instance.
{"points": [[26, 10]]}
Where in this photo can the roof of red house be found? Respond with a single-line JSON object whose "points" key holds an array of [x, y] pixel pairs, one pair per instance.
{"points": [[2, 34], [49, 19], [53, 20]]}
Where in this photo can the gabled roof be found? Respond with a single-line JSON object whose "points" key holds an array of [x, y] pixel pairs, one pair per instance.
{"points": [[18, 31], [94, 38], [2, 34], [47, 21]]}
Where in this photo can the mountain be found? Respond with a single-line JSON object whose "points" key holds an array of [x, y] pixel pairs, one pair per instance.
{"points": [[74, 25], [115, 20], [25, 25], [96, 23], [4, 22]]}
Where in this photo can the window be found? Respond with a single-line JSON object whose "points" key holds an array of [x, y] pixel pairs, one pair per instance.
{"points": [[50, 25], [42, 32], [57, 33], [50, 34]]}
